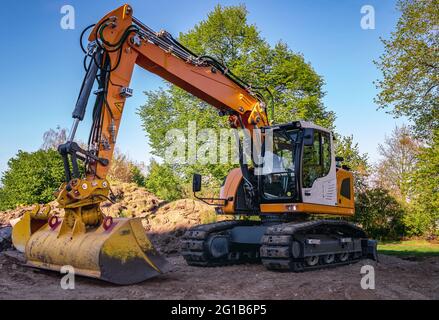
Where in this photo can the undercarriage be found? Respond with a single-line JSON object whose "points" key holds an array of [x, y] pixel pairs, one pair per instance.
{"points": [[289, 246]]}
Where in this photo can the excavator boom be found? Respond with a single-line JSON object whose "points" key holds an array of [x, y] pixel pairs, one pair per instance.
{"points": [[117, 250]]}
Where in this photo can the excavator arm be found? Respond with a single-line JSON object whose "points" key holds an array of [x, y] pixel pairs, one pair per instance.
{"points": [[118, 43], [117, 250]]}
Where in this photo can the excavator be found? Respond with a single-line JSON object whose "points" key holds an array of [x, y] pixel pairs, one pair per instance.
{"points": [[276, 202]]}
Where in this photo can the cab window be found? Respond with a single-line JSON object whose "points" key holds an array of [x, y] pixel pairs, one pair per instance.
{"points": [[326, 152], [316, 158]]}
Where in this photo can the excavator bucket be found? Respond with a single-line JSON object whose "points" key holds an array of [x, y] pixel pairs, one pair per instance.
{"points": [[116, 251]]}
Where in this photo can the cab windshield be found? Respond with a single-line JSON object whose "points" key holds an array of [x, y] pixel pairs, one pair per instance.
{"points": [[278, 173]]}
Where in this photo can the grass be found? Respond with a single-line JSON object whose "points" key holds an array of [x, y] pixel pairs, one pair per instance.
{"points": [[409, 248]]}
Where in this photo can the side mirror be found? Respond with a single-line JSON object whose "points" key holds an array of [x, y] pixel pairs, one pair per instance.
{"points": [[308, 137], [196, 182], [339, 159]]}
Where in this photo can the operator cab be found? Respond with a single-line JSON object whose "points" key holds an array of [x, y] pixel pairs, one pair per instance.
{"points": [[298, 165], [297, 172]]}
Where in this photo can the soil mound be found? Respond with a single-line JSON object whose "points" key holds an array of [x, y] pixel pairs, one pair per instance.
{"points": [[164, 222]]}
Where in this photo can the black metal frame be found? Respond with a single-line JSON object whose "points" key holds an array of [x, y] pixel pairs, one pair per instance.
{"points": [[205, 200], [298, 155], [196, 187], [76, 152], [71, 148]]}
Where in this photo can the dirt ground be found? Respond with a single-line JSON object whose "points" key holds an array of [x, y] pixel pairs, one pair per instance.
{"points": [[395, 279], [166, 222]]}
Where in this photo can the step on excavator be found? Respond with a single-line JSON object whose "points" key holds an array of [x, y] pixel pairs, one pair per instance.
{"points": [[305, 182]]}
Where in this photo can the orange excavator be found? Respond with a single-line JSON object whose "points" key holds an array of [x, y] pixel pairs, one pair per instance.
{"points": [[301, 180]]}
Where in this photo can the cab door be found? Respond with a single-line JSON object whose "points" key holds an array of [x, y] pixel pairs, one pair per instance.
{"points": [[318, 168]]}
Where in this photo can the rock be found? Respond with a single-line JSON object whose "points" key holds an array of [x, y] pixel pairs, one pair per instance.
{"points": [[5, 238]]}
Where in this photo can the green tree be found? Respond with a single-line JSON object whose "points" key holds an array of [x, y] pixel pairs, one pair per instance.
{"points": [[227, 36], [379, 214], [398, 163], [410, 64], [424, 216], [410, 173], [346, 148], [31, 178], [163, 182], [137, 176], [409, 87]]}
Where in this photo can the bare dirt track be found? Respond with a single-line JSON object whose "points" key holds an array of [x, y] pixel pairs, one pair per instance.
{"points": [[395, 279]]}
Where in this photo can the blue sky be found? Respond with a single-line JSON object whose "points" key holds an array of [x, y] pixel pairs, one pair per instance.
{"points": [[42, 64]]}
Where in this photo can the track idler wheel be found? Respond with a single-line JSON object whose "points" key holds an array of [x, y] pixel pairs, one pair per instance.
{"points": [[218, 246]]}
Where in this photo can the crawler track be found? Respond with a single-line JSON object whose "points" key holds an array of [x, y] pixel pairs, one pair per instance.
{"points": [[294, 246], [196, 244], [300, 246]]}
